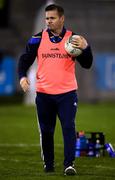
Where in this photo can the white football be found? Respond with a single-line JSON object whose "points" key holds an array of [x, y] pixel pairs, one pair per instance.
{"points": [[71, 50]]}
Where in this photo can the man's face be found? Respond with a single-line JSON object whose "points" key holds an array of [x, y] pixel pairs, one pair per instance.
{"points": [[53, 20]]}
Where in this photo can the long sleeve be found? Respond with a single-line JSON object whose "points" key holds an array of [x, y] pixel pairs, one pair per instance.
{"points": [[28, 56], [86, 58]]}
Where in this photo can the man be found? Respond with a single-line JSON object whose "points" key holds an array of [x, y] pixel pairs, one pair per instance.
{"points": [[56, 84]]}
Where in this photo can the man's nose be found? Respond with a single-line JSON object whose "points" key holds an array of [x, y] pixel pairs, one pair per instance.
{"points": [[49, 21]]}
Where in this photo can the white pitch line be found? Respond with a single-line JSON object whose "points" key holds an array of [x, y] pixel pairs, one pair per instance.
{"points": [[104, 167], [98, 166], [24, 145], [18, 160], [19, 145]]}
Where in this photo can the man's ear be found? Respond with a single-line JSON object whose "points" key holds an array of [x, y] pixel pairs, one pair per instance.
{"points": [[63, 18]]}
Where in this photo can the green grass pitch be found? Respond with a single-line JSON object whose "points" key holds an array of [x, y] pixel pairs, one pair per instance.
{"points": [[20, 151]]}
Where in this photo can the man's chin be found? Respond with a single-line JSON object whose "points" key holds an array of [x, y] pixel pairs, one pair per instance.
{"points": [[50, 28]]}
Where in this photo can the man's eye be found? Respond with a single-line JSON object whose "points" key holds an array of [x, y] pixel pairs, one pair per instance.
{"points": [[52, 18]]}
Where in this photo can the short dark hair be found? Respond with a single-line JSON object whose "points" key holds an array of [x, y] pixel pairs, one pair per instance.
{"points": [[59, 9]]}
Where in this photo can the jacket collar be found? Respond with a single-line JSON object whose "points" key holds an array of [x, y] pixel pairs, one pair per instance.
{"points": [[61, 35]]}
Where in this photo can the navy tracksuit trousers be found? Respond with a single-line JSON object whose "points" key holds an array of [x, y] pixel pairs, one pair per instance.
{"points": [[48, 107]]}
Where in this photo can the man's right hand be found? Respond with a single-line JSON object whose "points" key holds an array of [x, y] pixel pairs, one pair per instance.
{"points": [[24, 83]]}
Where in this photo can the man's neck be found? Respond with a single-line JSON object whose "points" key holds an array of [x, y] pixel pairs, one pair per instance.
{"points": [[61, 34], [57, 32]]}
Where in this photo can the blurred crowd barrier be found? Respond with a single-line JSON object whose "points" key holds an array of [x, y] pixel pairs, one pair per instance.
{"points": [[104, 65], [7, 75]]}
